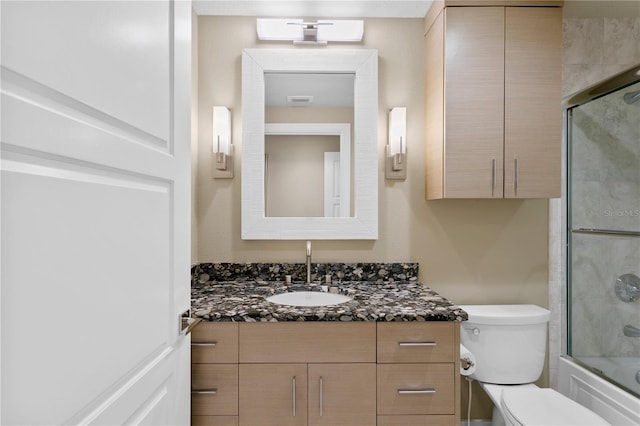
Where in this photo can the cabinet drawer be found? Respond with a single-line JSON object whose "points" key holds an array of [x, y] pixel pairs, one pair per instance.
{"points": [[416, 342], [418, 421], [214, 342], [416, 388], [221, 380], [290, 342], [214, 420]]}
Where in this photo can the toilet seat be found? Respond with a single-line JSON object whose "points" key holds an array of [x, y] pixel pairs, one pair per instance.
{"points": [[523, 406]]}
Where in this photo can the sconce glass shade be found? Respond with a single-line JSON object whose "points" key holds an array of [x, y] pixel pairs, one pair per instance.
{"points": [[396, 161], [398, 130], [298, 30], [221, 130], [221, 144]]}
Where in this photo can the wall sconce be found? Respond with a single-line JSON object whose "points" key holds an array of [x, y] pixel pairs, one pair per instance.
{"points": [[222, 146], [310, 32], [396, 158]]}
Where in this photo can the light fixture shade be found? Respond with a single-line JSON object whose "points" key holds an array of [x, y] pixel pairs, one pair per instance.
{"points": [[398, 130], [279, 29], [221, 145], [221, 130], [294, 30], [396, 152], [341, 30]]}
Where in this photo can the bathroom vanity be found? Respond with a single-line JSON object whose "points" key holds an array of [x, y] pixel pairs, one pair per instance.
{"points": [[389, 356]]}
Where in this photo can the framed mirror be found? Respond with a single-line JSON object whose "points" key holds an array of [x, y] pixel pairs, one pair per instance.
{"points": [[350, 161]]}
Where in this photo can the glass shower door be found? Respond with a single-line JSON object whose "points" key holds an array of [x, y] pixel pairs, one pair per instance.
{"points": [[603, 198]]}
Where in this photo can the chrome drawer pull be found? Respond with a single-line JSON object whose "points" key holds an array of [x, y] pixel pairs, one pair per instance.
{"points": [[321, 397], [493, 177], [517, 176], [204, 344], [205, 392], [417, 343], [293, 385], [416, 391]]}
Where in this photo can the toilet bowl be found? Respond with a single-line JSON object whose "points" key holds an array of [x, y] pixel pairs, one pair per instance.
{"points": [[525, 405], [508, 343]]}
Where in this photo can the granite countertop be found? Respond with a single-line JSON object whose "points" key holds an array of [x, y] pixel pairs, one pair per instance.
{"points": [[244, 301]]}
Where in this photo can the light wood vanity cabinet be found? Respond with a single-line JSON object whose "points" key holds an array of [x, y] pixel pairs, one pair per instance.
{"points": [[214, 374], [417, 374], [492, 91], [308, 394], [320, 373], [327, 373]]}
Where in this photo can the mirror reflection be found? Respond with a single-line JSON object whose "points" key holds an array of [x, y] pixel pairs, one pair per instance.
{"points": [[354, 122], [308, 150]]}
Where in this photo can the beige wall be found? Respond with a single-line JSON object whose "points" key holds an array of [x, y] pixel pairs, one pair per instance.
{"points": [[295, 174], [471, 251]]}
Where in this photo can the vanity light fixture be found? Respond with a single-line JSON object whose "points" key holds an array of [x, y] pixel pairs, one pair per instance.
{"points": [[222, 146], [302, 31], [396, 153]]}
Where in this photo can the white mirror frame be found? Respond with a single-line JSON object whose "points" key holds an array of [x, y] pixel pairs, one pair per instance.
{"points": [[364, 224], [343, 131]]}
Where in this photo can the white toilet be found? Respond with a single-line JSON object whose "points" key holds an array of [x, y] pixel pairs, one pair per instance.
{"points": [[508, 343]]}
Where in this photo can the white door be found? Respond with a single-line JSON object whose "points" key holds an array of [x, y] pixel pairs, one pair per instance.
{"points": [[95, 211], [332, 200]]}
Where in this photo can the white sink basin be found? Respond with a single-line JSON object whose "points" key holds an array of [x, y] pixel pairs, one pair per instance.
{"points": [[308, 298]]}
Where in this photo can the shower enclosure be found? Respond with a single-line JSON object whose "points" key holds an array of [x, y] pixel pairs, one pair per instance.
{"points": [[603, 230]]}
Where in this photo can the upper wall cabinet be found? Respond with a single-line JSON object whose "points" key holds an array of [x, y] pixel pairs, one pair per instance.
{"points": [[493, 114]]}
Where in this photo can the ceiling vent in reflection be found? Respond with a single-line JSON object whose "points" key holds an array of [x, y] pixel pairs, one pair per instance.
{"points": [[299, 100]]}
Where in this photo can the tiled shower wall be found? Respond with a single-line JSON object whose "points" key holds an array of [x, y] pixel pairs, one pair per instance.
{"points": [[597, 48], [594, 49]]}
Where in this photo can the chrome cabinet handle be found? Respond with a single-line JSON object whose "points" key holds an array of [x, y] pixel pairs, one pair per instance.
{"points": [[416, 391], [210, 344], [493, 177], [404, 344], [517, 176], [321, 401], [293, 383], [204, 391]]}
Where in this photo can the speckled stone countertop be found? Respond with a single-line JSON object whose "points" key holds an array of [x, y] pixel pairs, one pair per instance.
{"points": [[244, 301]]}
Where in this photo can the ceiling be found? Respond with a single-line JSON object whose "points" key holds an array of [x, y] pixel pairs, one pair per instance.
{"points": [[386, 8], [315, 8]]}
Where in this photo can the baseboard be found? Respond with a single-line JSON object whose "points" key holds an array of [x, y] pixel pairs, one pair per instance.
{"points": [[476, 422]]}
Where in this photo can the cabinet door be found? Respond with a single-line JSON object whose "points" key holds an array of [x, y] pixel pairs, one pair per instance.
{"points": [[533, 127], [214, 389], [342, 394], [214, 342], [474, 102], [411, 342], [273, 394], [416, 389]]}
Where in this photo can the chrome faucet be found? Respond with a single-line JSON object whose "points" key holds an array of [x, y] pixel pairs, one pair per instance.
{"points": [[308, 262]]}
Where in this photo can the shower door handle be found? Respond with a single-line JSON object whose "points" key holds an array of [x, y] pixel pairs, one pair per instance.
{"points": [[631, 331]]}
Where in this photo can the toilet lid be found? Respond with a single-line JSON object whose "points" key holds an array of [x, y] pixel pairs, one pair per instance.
{"points": [[545, 407]]}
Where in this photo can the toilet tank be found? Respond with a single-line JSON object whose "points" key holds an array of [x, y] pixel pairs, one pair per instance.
{"points": [[508, 342]]}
